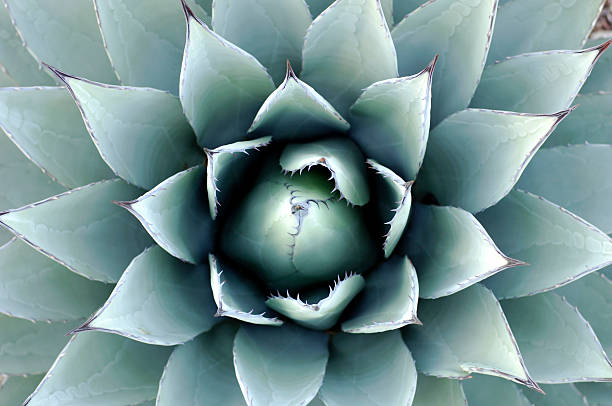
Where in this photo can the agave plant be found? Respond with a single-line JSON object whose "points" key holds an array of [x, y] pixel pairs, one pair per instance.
{"points": [[189, 221]]}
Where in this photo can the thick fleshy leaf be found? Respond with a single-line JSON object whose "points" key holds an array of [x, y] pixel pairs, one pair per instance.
{"points": [[439, 391], [475, 157], [340, 156], [295, 110], [450, 250], [317, 6], [158, 300], [201, 372], [558, 246], [558, 344], [82, 229], [37, 288], [176, 215], [596, 393], [265, 376], [319, 314], [15, 389], [600, 79], [403, 7], [369, 370], [575, 177], [17, 63], [66, 37], [238, 297], [29, 347], [225, 170], [482, 390], [221, 87], [540, 82], [346, 49], [460, 32], [540, 25], [46, 125], [140, 132], [556, 395], [394, 202], [389, 300], [271, 31], [102, 369], [390, 121], [466, 333]]}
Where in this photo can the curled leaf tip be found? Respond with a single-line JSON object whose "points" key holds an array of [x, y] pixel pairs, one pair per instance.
{"points": [[290, 72], [187, 10]]}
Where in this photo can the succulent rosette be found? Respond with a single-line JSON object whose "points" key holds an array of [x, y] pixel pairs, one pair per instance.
{"points": [[305, 202]]}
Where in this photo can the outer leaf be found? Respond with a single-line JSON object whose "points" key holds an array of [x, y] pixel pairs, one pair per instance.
{"points": [[28, 347], [576, 178], [176, 215], [475, 157], [539, 25], [236, 296], [15, 389], [540, 82], [340, 156], [391, 121], [35, 287], [557, 395], [221, 86], [140, 132], [458, 30], [317, 6], [271, 31], [46, 125], [482, 390], [597, 394], [295, 110], [265, 376], [451, 250], [394, 202], [319, 314], [98, 369], [389, 300], [201, 372], [403, 7], [464, 333], [158, 300], [82, 229], [599, 80], [66, 37], [439, 391], [559, 246], [369, 370], [559, 345], [346, 49]]}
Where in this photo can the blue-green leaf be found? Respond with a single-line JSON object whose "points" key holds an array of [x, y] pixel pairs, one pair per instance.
{"points": [[37, 288], [319, 314], [539, 25], [439, 391], [466, 333], [201, 372], [596, 393], [558, 246], [102, 369], [475, 157], [15, 389], [158, 300], [403, 7], [450, 250], [266, 378], [460, 32], [140, 132], [600, 79], [540, 82], [82, 229], [221, 87], [271, 31], [30, 347], [369, 370], [65, 36], [176, 215], [389, 300], [482, 390], [346, 49], [556, 395], [390, 121], [317, 6], [46, 125], [295, 110], [237, 296], [558, 344]]}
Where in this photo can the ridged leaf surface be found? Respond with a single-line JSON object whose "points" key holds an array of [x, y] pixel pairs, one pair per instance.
{"points": [[439, 391]]}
